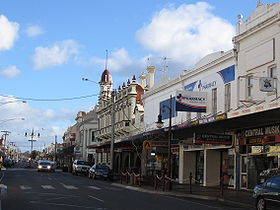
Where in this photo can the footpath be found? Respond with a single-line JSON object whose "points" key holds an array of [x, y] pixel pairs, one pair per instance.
{"points": [[237, 197]]}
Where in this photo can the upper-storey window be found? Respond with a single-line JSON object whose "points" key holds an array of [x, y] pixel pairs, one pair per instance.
{"points": [[214, 100], [227, 96], [249, 86], [272, 72]]}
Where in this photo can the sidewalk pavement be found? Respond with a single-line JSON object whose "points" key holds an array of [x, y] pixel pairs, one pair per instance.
{"points": [[238, 197]]}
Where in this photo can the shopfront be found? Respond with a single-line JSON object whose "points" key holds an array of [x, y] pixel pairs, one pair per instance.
{"points": [[259, 154]]}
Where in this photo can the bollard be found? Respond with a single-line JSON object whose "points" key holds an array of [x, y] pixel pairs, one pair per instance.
{"points": [[121, 177], [155, 182], [190, 177], [126, 177]]}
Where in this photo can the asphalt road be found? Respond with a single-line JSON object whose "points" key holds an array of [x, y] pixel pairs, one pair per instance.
{"points": [[32, 190]]}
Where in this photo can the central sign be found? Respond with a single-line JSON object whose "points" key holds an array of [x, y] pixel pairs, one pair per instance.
{"points": [[212, 139]]}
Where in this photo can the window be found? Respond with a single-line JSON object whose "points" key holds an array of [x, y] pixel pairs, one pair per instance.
{"points": [[272, 72], [92, 136], [275, 182], [227, 97], [249, 87], [214, 101]]}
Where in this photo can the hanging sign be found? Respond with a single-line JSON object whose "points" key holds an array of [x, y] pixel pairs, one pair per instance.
{"points": [[191, 101]]}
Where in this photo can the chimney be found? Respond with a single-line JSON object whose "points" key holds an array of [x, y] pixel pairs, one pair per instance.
{"points": [[151, 76], [143, 80]]}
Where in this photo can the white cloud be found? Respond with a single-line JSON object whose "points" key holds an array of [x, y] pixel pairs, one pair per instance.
{"points": [[48, 122], [10, 72], [33, 31], [54, 55], [8, 33], [187, 33]]}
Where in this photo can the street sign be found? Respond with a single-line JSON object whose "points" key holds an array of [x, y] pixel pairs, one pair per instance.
{"points": [[267, 84], [147, 145]]}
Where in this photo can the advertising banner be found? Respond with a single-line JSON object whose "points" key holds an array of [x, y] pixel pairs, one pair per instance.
{"points": [[191, 101]]}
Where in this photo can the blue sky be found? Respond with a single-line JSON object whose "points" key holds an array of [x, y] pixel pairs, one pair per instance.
{"points": [[47, 46]]}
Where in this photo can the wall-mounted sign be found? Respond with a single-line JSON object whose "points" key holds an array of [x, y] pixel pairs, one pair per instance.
{"points": [[267, 84], [212, 81], [212, 139], [191, 101]]}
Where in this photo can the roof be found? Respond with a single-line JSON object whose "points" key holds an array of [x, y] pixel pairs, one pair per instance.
{"points": [[106, 77]]}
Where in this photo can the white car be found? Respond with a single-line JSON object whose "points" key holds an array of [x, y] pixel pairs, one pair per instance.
{"points": [[46, 165], [80, 166]]}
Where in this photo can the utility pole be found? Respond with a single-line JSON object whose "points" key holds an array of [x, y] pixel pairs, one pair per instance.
{"points": [[55, 142], [32, 139], [113, 132]]}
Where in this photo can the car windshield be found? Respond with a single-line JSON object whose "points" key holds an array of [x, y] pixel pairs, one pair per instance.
{"points": [[81, 163], [44, 163]]}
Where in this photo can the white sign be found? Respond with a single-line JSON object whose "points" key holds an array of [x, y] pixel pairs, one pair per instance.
{"points": [[267, 84]]}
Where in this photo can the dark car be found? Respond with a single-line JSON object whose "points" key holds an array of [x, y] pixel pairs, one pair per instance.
{"points": [[100, 170], [267, 195]]}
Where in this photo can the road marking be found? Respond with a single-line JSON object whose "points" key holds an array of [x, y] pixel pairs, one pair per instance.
{"points": [[69, 187], [24, 187], [61, 204], [47, 187], [93, 187], [95, 198], [2, 176]]}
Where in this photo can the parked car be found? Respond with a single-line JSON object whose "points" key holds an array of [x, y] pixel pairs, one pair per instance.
{"points": [[100, 170], [46, 165], [267, 195], [80, 166], [266, 174]]}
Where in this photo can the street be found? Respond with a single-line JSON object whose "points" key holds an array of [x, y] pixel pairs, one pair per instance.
{"points": [[32, 190]]}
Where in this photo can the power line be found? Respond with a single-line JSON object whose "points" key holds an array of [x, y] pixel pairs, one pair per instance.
{"points": [[53, 99]]}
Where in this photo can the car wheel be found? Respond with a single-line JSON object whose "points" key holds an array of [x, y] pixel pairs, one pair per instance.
{"points": [[260, 204]]}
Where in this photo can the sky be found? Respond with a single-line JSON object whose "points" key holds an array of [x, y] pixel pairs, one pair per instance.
{"points": [[48, 46]]}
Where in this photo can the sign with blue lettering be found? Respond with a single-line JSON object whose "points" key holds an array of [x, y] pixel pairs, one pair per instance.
{"points": [[212, 81]]}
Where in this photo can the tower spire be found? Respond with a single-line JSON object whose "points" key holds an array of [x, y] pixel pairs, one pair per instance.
{"points": [[259, 3], [106, 60]]}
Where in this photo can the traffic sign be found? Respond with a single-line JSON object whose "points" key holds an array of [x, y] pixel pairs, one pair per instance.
{"points": [[147, 145]]}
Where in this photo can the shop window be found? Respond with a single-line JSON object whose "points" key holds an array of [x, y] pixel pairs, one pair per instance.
{"points": [[227, 97]]}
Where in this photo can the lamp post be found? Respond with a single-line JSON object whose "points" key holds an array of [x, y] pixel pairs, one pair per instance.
{"points": [[160, 124]]}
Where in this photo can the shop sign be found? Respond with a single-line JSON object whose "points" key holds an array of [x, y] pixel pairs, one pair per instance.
{"points": [[257, 140], [261, 131], [175, 150], [212, 139], [273, 151], [147, 145]]}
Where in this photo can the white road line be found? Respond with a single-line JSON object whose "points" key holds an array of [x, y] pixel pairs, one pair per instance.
{"points": [[47, 187], [24, 187], [95, 198], [69, 187], [61, 204], [2, 176], [94, 188]]}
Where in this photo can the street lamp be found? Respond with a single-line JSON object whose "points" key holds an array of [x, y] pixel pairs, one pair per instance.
{"points": [[15, 118], [14, 101], [88, 80], [160, 124]]}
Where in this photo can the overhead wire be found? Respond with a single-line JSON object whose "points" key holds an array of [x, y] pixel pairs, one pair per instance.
{"points": [[52, 99]]}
